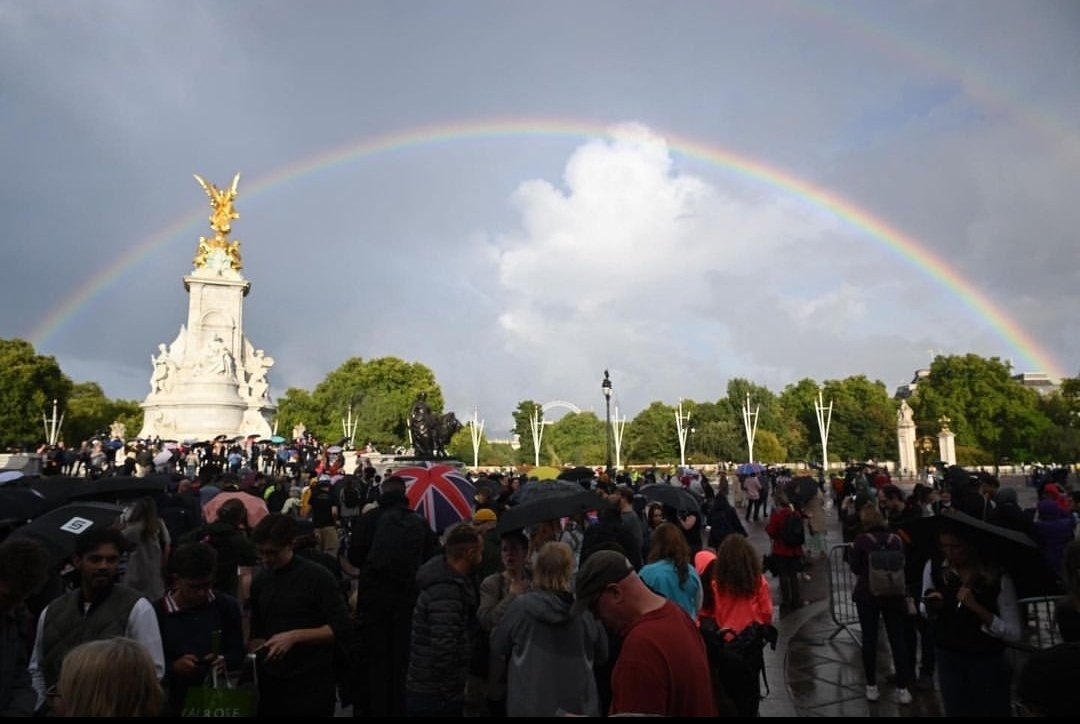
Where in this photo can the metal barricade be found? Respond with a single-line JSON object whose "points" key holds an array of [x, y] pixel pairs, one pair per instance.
{"points": [[841, 583], [1038, 627]]}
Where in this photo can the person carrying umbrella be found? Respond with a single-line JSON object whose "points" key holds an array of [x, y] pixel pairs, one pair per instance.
{"points": [[975, 608]]}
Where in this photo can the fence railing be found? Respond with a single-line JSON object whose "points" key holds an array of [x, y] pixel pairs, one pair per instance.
{"points": [[841, 583]]}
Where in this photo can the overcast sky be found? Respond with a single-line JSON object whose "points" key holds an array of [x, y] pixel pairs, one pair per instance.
{"points": [[520, 265]]}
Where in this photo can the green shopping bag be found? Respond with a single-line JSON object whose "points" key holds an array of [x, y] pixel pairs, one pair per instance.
{"points": [[222, 698]]}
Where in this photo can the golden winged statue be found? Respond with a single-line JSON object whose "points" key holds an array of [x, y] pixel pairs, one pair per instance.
{"points": [[221, 200]]}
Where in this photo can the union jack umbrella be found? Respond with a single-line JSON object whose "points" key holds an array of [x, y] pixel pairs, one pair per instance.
{"points": [[439, 492]]}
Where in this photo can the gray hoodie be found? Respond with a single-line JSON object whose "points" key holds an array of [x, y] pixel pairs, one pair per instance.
{"points": [[550, 655]]}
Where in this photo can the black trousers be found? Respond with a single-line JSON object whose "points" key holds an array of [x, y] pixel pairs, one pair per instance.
{"points": [[313, 694]]}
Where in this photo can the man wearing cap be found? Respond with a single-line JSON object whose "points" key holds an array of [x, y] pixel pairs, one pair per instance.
{"points": [[662, 668], [484, 520]]}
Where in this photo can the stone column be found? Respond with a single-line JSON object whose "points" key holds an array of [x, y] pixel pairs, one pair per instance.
{"points": [[905, 440], [947, 442]]}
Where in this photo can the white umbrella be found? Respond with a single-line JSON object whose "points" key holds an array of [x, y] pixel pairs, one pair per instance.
{"points": [[163, 457]]}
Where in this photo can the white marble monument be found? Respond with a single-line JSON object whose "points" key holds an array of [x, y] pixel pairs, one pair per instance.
{"points": [[211, 380]]}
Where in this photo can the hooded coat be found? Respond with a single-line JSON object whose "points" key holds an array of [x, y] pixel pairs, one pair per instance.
{"points": [[1052, 531], [550, 654]]}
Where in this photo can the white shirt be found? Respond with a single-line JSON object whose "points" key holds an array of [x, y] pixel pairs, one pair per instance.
{"points": [[142, 625]]}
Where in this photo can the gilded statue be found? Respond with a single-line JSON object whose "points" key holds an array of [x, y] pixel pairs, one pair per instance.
{"points": [[219, 253]]}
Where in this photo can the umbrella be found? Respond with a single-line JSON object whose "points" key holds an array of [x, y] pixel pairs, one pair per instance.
{"points": [[1015, 552], [673, 496], [6, 476], [550, 507], [539, 489], [20, 504], [334, 449], [802, 488], [60, 528], [749, 469], [277, 439], [544, 472], [578, 474], [221, 438], [439, 492], [256, 507], [163, 457], [117, 487], [114, 444]]}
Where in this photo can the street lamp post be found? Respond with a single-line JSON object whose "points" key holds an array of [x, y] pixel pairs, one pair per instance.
{"points": [[606, 387], [681, 429], [618, 426], [824, 420], [537, 426], [750, 420]]}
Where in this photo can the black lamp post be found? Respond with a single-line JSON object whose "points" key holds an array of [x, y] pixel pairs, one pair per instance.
{"points": [[606, 387]]}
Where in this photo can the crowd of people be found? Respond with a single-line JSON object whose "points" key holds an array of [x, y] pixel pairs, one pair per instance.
{"points": [[317, 591]]}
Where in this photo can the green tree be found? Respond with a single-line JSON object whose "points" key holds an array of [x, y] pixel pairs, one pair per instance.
{"points": [[863, 419], [577, 439], [651, 436], [380, 391], [986, 407], [90, 413], [1062, 408], [767, 447], [523, 421], [29, 384]]}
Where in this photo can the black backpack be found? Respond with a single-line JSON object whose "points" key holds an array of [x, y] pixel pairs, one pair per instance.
{"points": [[793, 533], [350, 498]]}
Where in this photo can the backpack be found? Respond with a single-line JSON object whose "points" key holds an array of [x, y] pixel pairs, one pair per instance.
{"points": [[792, 532], [737, 665], [886, 570], [398, 545], [350, 497]]}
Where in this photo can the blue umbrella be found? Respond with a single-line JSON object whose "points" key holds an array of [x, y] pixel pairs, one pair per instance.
{"points": [[750, 469], [277, 439]]}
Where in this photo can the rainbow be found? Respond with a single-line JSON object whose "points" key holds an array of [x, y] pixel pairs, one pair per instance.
{"points": [[895, 241]]}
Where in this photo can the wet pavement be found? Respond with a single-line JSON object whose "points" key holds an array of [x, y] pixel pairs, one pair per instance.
{"points": [[816, 669]]}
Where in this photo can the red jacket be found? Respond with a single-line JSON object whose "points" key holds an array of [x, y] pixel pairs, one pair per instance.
{"points": [[775, 525]]}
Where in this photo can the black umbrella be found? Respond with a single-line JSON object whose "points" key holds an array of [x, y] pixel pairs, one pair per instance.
{"points": [[1015, 552], [673, 496], [112, 488], [20, 504], [61, 527], [540, 489], [802, 488], [549, 508], [578, 474]]}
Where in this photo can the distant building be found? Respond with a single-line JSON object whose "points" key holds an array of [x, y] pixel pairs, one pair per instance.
{"points": [[904, 392], [1041, 382]]}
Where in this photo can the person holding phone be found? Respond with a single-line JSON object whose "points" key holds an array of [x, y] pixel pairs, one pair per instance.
{"points": [[201, 628], [974, 606]]}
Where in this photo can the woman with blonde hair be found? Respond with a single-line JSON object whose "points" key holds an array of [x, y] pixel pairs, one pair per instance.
{"points": [[112, 677], [149, 553], [670, 572], [550, 651]]}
